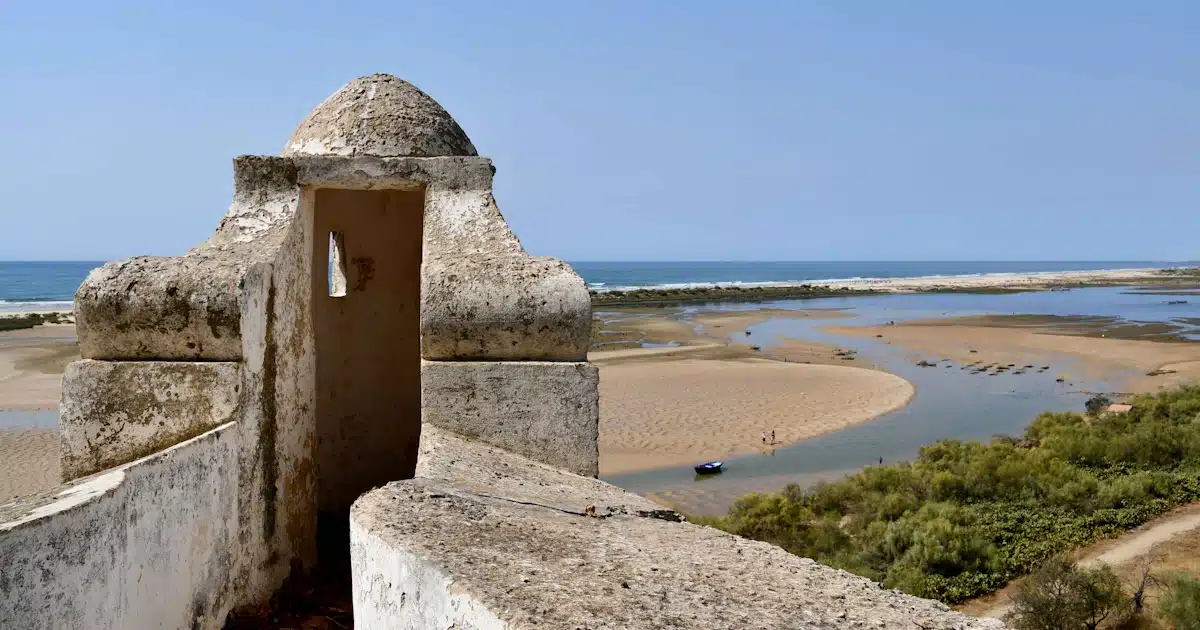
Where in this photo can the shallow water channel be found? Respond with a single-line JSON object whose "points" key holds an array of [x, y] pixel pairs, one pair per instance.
{"points": [[18, 420], [949, 403]]}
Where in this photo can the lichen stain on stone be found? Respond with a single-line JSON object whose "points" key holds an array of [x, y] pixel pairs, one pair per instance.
{"points": [[300, 477], [140, 394], [364, 268], [223, 323], [269, 428], [161, 445]]}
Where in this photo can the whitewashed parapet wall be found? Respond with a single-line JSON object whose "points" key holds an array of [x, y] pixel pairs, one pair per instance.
{"points": [[150, 544], [220, 343]]}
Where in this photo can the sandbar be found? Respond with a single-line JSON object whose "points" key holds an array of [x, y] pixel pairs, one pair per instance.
{"points": [[709, 397], [1135, 365], [685, 411], [1154, 279]]}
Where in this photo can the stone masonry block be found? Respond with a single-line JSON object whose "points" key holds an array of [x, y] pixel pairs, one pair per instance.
{"points": [[503, 307], [181, 308], [546, 411], [115, 412]]}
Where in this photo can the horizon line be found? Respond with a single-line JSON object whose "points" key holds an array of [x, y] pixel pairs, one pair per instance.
{"points": [[733, 260]]}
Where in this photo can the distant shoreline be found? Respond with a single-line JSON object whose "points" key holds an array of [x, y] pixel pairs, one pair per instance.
{"points": [[989, 283], [1164, 278]]}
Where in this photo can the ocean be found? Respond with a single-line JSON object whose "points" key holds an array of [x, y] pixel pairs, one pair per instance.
{"points": [[38, 286], [29, 286]]}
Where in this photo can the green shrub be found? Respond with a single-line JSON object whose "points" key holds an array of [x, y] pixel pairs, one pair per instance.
{"points": [[964, 518], [1097, 404], [18, 322], [1062, 596], [1181, 603]]}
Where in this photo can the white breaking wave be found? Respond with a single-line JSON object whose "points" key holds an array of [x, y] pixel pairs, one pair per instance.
{"points": [[601, 287], [17, 306]]}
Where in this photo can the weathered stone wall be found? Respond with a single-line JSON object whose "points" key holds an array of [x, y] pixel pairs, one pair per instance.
{"points": [[388, 578], [484, 298], [186, 308], [246, 296], [115, 412], [281, 464], [160, 308], [277, 469], [152, 544]]}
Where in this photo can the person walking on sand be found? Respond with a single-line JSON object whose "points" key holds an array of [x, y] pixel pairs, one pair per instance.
{"points": [[772, 436], [764, 433]]}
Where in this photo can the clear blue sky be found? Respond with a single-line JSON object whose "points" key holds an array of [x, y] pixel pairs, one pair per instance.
{"points": [[639, 130]]}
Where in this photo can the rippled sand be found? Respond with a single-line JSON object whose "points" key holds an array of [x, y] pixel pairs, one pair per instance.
{"points": [[28, 461]]}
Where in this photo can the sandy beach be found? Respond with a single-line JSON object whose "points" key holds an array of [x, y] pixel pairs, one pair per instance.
{"points": [[1138, 365], [704, 399], [710, 398], [32, 361], [28, 461], [31, 366], [677, 412]]}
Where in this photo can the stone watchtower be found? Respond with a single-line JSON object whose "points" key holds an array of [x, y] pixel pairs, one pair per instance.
{"points": [[360, 284]]}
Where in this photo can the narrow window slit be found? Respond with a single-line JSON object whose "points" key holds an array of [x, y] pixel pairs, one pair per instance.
{"points": [[337, 265]]}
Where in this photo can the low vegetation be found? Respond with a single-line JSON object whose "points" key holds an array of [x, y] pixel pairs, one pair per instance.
{"points": [[1181, 271], [729, 293], [1180, 604], [964, 518], [1063, 596], [1168, 278], [18, 322]]}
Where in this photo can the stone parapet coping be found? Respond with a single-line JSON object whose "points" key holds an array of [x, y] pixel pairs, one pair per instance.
{"points": [[489, 539]]}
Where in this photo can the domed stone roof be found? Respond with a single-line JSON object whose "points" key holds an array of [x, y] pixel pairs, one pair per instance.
{"points": [[383, 116]]}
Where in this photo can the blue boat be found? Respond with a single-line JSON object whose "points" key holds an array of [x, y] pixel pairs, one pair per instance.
{"points": [[711, 468]]}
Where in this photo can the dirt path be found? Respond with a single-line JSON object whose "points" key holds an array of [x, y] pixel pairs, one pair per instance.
{"points": [[1115, 552], [1138, 543]]}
